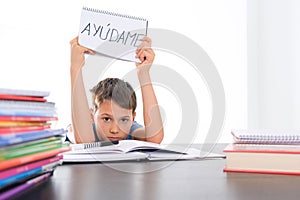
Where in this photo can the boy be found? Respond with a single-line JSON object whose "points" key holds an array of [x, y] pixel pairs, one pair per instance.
{"points": [[114, 102]]}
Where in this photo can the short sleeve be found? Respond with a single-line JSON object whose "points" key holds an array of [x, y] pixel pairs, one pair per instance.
{"points": [[134, 126]]}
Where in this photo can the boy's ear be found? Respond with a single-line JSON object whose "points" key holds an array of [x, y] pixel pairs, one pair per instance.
{"points": [[92, 115], [133, 116]]}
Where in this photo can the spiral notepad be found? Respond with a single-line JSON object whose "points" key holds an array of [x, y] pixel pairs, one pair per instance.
{"points": [[112, 34], [266, 136]]}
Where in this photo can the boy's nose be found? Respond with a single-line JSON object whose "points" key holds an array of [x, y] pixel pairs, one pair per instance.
{"points": [[114, 128]]}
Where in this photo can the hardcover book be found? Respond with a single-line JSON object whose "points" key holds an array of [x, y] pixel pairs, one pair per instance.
{"points": [[267, 159]]}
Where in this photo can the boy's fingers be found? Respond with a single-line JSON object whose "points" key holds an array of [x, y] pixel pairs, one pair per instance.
{"points": [[75, 40], [89, 51], [146, 43], [147, 40]]}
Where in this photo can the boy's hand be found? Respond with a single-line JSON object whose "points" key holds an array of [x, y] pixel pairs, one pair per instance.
{"points": [[77, 54], [145, 53]]}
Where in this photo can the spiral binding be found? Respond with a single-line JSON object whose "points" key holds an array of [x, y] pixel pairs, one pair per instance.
{"points": [[92, 145], [113, 13], [99, 144], [270, 139]]}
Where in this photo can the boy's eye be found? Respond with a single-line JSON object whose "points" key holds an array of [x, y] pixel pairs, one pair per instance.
{"points": [[124, 120], [106, 119]]}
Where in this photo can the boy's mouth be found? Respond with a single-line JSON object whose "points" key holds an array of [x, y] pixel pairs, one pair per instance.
{"points": [[113, 138]]}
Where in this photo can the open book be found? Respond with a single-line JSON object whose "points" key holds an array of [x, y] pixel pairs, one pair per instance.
{"points": [[135, 150]]}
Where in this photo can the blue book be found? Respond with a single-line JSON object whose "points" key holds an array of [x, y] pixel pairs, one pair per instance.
{"points": [[15, 138], [27, 112], [8, 194], [27, 174]]}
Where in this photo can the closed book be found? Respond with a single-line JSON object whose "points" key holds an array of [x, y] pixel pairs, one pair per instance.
{"points": [[10, 153], [27, 174], [23, 92], [22, 129], [266, 159], [27, 108], [26, 119], [16, 124], [14, 191], [23, 95], [31, 158], [16, 138], [29, 166]]}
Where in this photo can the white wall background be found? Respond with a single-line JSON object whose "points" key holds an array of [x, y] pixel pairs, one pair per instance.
{"points": [[35, 35], [274, 64]]}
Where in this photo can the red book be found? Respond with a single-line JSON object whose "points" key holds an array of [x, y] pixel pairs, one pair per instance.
{"points": [[21, 98], [31, 158], [27, 167], [266, 159], [23, 95], [21, 129], [27, 118]]}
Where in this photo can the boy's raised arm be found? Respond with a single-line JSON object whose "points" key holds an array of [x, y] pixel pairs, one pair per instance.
{"points": [[154, 131], [81, 118]]}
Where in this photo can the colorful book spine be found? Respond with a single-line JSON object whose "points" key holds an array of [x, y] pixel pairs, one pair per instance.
{"points": [[21, 92], [27, 119], [30, 166], [30, 143], [26, 112], [17, 153], [30, 149], [21, 176], [23, 187], [31, 158], [22, 129], [22, 98], [10, 139]]}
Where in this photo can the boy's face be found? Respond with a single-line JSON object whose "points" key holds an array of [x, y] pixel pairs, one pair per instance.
{"points": [[112, 121]]}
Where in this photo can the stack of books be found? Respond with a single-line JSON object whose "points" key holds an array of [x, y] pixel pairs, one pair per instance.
{"points": [[30, 149], [264, 151]]}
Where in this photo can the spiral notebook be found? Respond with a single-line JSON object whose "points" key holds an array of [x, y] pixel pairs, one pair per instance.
{"points": [[266, 136], [112, 34]]}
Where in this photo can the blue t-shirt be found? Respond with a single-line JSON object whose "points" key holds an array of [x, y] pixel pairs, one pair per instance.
{"points": [[134, 126]]}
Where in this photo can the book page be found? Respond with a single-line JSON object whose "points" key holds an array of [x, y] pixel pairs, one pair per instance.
{"points": [[111, 34]]}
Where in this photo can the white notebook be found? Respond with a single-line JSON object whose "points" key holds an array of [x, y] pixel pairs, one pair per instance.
{"points": [[266, 136], [111, 34]]}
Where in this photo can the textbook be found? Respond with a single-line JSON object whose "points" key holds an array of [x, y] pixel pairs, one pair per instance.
{"points": [[266, 136], [18, 151], [23, 168], [16, 138], [22, 129], [112, 34], [6, 164], [36, 112], [23, 95], [12, 192], [16, 119], [22, 92], [27, 108], [266, 159], [135, 150], [27, 174]]}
